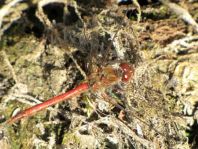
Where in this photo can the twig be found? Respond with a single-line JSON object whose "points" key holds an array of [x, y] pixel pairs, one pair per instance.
{"points": [[181, 12], [139, 10], [9, 66], [111, 121], [8, 10]]}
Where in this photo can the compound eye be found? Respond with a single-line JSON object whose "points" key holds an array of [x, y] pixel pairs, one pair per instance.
{"points": [[127, 71]]}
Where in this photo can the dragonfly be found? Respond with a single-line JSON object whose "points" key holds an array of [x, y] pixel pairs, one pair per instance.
{"points": [[99, 79]]}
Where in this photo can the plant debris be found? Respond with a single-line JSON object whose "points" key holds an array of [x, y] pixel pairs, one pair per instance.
{"points": [[50, 46]]}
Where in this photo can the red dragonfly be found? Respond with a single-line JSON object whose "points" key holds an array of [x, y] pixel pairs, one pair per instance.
{"points": [[98, 80]]}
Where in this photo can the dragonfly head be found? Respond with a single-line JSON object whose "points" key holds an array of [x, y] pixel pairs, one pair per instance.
{"points": [[127, 71]]}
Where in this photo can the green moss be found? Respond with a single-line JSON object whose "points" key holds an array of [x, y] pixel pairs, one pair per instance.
{"points": [[70, 138]]}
